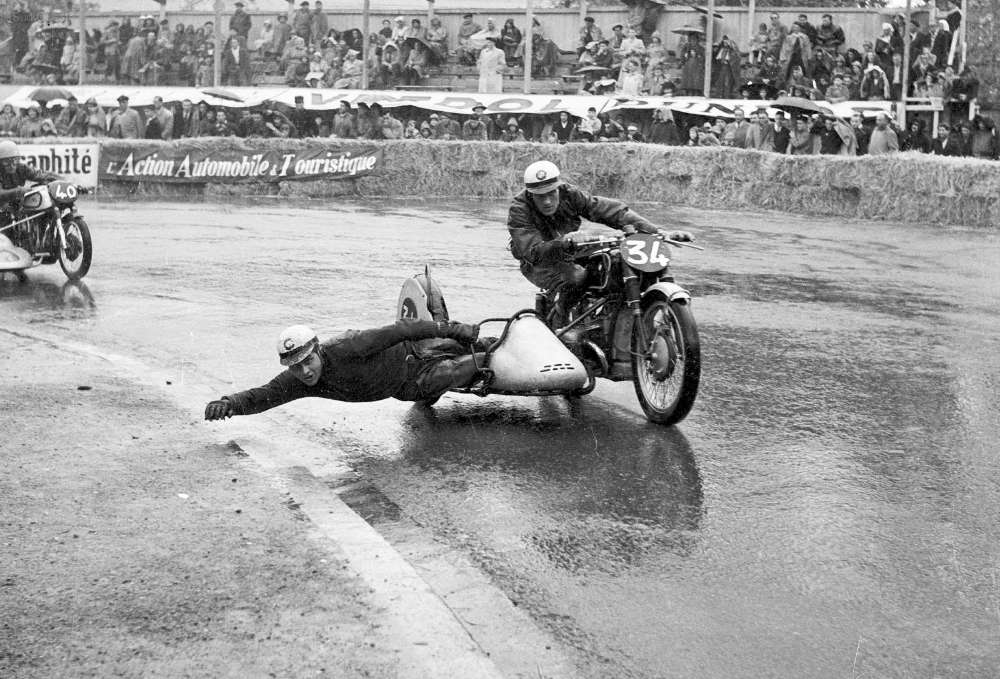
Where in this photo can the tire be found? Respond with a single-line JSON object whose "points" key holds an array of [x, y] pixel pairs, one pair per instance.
{"points": [[666, 383], [76, 256]]}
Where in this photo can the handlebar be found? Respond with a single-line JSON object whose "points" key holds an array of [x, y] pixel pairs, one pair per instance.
{"points": [[602, 241]]}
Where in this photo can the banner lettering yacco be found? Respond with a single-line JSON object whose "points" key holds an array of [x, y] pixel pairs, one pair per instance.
{"points": [[461, 103]]}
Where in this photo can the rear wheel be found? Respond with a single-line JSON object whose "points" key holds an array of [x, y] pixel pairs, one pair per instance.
{"points": [[666, 367], [75, 257]]}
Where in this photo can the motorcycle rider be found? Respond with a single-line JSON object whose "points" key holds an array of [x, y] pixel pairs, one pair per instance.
{"points": [[13, 175], [410, 360], [544, 222]]}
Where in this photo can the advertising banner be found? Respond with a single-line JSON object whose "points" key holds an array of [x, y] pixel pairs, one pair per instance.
{"points": [[182, 163], [75, 163]]}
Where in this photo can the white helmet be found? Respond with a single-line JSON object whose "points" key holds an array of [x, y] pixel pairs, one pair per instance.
{"points": [[542, 177], [8, 149], [295, 344]]}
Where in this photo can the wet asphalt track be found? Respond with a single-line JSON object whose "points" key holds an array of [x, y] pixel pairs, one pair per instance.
{"points": [[831, 507]]}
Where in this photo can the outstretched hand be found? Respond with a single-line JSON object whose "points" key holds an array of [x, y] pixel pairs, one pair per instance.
{"points": [[679, 236], [218, 410]]}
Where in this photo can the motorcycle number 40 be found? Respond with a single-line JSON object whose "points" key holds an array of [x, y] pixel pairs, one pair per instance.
{"points": [[645, 252], [63, 190]]}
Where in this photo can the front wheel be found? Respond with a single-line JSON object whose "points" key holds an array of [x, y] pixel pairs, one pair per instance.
{"points": [[666, 360], [75, 257]]}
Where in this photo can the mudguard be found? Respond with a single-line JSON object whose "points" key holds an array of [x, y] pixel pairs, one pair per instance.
{"points": [[531, 359], [421, 299], [13, 258], [671, 291]]}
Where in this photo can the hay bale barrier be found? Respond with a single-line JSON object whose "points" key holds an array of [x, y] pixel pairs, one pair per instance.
{"points": [[904, 187]]}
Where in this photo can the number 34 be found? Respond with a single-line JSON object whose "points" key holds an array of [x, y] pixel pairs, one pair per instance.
{"points": [[638, 255]]}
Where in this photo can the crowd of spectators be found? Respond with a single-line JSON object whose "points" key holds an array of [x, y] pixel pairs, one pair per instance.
{"points": [[753, 128]]}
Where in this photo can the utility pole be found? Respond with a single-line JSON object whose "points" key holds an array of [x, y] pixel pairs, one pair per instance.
{"points": [[365, 22], [530, 18], [709, 26], [217, 57], [81, 45]]}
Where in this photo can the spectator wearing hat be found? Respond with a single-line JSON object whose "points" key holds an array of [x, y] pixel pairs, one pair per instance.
{"points": [[344, 125], [632, 133], [663, 130], [616, 37], [301, 118], [388, 126], [319, 26], [829, 36], [492, 64], [134, 60], [262, 43], [512, 131], [125, 122], [282, 32], [235, 63], [589, 33], [112, 52], [240, 22], [947, 143], [776, 34], [9, 121], [350, 72], [302, 22], [467, 51], [803, 142], [475, 129], [416, 65], [861, 135], [186, 121], [830, 141], [72, 120]]}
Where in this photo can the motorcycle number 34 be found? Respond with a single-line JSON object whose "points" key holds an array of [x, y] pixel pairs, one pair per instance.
{"points": [[643, 252]]}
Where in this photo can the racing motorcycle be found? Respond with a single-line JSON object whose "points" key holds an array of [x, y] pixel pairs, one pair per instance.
{"points": [[47, 228], [633, 322]]}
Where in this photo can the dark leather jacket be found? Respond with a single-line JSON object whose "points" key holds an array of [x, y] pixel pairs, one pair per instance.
{"points": [[536, 239], [11, 183]]}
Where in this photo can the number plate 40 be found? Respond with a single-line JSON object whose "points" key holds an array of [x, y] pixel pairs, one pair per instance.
{"points": [[645, 252]]}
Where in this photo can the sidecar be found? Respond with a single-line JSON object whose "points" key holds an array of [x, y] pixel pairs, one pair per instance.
{"points": [[527, 359], [15, 259]]}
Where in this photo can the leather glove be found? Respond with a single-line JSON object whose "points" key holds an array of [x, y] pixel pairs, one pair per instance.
{"points": [[679, 236], [218, 410], [462, 332]]}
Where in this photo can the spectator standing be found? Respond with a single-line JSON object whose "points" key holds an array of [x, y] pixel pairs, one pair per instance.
{"points": [[474, 129], [282, 32], [663, 130], [692, 65], [447, 128], [830, 141], [759, 134], [319, 26], [883, 138], [914, 138], [735, 133], [984, 138], [512, 132], [589, 33], [97, 122], [940, 38], [344, 126], [125, 122], [72, 120], [33, 124], [810, 31], [240, 22], [780, 134], [134, 61], [302, 22], [803, 142], [20, 21], [160, 124], [564, 128], [947, 143], [795, 50], [829, 36], [235, 63], [467, 51], [776, 34], [389, 126], [861, 134], [112, 52], [186, 121], [262, 43], [302, 119], [758, 45], [492, 63]]}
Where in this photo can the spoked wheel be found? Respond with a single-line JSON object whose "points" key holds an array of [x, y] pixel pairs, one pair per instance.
{"points": [[75, 257], [666, 367]]}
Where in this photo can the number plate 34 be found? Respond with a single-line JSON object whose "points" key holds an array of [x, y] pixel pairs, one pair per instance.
{"points": [[645, 252]]}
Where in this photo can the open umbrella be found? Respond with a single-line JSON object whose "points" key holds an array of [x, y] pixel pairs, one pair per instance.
{"points": [[432, 55], [220, 93], [685, 30], [800, 104], [704, 10], [592, 69], [46, 94]]}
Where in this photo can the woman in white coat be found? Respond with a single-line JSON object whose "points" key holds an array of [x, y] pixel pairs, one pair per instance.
{"points": [[492, 64]]}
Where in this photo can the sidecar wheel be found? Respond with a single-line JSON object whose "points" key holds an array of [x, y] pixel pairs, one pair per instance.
{"points": [[428, 402], [666, 371], [76, 256]]}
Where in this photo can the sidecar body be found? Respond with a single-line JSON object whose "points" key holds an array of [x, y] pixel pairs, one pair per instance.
{"points": [[13, 258], [526, 359]]}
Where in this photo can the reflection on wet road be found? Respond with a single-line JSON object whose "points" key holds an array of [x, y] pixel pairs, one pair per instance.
{"points": [[830, 507]]}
